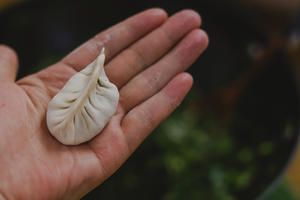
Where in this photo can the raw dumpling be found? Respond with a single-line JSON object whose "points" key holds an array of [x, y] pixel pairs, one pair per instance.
{"points": [[83, 106]]}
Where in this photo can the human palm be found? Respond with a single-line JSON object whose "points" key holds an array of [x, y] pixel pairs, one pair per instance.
{"points": [[146, 56]]}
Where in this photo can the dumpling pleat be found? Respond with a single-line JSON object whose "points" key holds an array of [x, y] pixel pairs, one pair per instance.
{"points": [[84, 105]]}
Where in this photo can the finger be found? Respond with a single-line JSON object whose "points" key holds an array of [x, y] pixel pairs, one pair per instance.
{"points": [[115, 145], [152, 47], [8, 64], [157, 76], [116, 38], [113, 39], [140, 121]]}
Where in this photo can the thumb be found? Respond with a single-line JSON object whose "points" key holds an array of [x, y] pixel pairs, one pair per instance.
{"points": [[8, 64]]}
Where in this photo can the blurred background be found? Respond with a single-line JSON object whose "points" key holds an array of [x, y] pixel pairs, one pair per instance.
{"points": [[236, 134]]}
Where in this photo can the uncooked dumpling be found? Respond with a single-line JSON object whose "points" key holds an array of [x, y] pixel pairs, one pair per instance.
{"points": [[83, 106]]}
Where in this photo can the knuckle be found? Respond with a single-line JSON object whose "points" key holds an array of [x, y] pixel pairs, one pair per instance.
{"points": [[168, 37], [138, 60], [147, 118], [152, 82], [99, 41]]}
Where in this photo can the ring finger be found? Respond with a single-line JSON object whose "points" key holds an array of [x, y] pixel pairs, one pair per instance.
{"points": [[150, 81]]}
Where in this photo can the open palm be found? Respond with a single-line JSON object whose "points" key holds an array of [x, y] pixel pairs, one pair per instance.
{"points": [[146, 56]]}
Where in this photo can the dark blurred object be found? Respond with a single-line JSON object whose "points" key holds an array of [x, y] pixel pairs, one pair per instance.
{"points": [[285, 8], [268, 15], [5, 4]]}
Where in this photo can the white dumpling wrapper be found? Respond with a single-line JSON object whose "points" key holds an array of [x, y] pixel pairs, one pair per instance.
{"points": [[81, 109]]}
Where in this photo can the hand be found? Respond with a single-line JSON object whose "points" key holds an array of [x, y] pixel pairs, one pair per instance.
{"points": [[146, 56]]}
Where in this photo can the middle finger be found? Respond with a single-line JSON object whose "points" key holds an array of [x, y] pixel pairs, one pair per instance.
{"points": [[152, 47], [150, 81]]}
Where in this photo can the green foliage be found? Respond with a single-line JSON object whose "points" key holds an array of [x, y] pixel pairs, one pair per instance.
{"points": [[281, 192], [192, 148], [194, 154]]}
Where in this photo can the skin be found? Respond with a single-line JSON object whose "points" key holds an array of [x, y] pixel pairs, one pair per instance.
{"points": [[147, 55]]}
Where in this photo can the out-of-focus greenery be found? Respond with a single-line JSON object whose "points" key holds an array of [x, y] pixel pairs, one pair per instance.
{"points": [[193, 148], [195, 155], [281, 191]]}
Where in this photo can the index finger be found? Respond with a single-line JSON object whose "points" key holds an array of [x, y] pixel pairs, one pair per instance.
{"points": [[116, 38]]}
